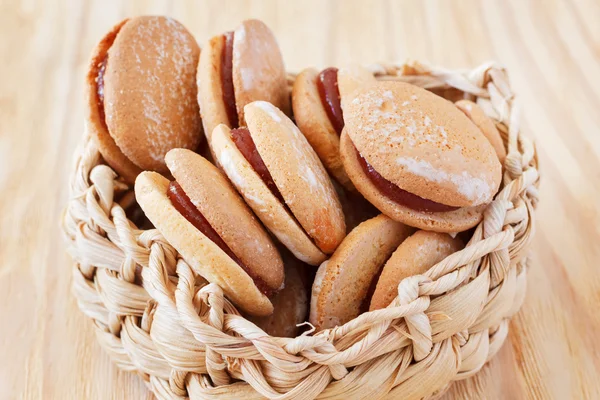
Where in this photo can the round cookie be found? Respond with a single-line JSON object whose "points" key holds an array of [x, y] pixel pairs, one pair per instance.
{"points": [[214, 196], [257, 73], [298, 174], [450, 221], [417, 254], [95, 124], [141, 94], [417, 158], [273, 213], [297, 202], [342, 283], [313, 120], [485, 125], [290, 305], [230, 247]]}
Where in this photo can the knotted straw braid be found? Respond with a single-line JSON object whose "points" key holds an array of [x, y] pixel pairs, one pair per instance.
{"points": [[186, 339]]}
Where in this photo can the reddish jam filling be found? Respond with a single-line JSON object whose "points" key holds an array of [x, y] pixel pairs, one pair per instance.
{"points": [[243, 141], [100, 88], [227, 80], [327, 84], [398, 195], [184, 205]]}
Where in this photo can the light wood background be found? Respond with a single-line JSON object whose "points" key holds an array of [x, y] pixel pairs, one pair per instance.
{"points": [[551, 48]]}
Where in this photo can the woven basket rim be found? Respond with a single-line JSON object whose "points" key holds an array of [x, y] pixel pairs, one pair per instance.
{"points": [[186, 339]]}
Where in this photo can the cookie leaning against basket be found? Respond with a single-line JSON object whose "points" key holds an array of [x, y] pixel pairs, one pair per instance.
{"points": [[164, 300]]}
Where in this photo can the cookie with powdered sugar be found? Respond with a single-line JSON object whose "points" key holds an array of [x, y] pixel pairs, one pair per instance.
{"points": [[417, 157], [237, 68], [281, 178], [206, 221], [141, 94], [317, 99]]}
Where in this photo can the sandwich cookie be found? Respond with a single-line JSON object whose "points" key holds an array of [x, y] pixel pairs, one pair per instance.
{"points": [[344, 283], [485, 125], [281, 178], [290, 305], [237, 68], [207, 222], [417, 158], [317, 100], [414, 256], [141, 94]]}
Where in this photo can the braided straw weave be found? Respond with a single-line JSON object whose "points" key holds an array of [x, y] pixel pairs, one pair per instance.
{"points": [[186, 339]]}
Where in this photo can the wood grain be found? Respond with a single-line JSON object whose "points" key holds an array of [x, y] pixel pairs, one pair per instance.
{"points": [[551, 48]]}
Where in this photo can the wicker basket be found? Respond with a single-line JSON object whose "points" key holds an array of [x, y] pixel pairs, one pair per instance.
{"points": [[185, 339]]}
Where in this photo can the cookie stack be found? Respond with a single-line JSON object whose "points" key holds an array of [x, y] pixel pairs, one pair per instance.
{"points": [[305, 206]]}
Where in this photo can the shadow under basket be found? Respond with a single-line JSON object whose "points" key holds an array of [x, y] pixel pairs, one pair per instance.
{"points": [[155, 316]]}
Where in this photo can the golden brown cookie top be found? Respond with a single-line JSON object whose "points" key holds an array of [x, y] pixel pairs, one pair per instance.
{"points": [[210, 88], [150, 90], [423, 144], [273, 213], [257, 73]]}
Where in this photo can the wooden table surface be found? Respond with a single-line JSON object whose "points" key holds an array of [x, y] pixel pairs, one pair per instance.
{"points": [[551, 48]]}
